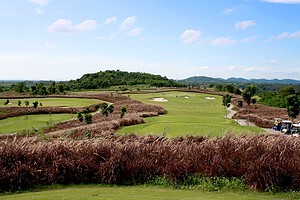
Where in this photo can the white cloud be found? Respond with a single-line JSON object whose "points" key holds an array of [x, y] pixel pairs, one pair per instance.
{"points": [[64, 25], [40, 2], [135, 31], [222, 41], [190, 36], [249, 39], [110, 20], [242, 25], [286, 35], [228, 10], [50, 45], [205, 68], [127, 23], [232, 9], [232, 68], [250, 69], [38, 11], [273, 61], [283, 1], [110, 37]]}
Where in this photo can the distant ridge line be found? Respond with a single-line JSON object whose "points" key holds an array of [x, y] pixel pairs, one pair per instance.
{"points": [[205, 79]]}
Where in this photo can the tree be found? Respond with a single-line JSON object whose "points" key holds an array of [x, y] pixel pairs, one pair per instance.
{"points": [[80, 116], [26, 103], [19, 103], [6, 102], [35, 104], [123, 110], [226, 102], [247, 94], [293, 105], [88, 118], [106, 109]]}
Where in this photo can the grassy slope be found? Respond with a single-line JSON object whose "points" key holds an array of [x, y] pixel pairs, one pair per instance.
{"points": [[194, 116], [16, 124], [142, 192], [51, 102]]}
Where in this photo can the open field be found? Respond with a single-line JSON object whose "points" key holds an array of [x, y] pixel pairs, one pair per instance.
{"points": [[16, 124], [143, 192], [52, 102], [187, 114]]}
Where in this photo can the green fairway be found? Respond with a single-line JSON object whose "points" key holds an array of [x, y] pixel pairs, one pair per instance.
{"points": [[16, 124], [52, 102], [188, 114], [143, 192]]}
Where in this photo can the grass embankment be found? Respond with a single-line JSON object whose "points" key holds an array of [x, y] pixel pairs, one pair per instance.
{"points": [[187, 114], [142, 192], [16, 124], [52, 102]]}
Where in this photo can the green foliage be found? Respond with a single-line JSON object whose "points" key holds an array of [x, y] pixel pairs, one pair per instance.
{"points": [[123, 110], [240, 104], [80, 116], [88, 134], [6, 102], [226, 100], [104, 79], [106, 109], [248, 93], [88, 118], [26, 103], [293, 105], [35, 104], [230, 88], [19, 87]]}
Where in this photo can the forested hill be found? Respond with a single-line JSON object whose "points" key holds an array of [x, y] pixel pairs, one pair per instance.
{"points": [[104, 79]]}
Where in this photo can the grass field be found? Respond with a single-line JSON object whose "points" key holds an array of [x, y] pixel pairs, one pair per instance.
{"points": [[188, 114], [16, 124], [143, 192], [51, 102]]}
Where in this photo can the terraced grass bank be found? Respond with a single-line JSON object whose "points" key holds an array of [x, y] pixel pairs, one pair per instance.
{"points": [[19, 118], [52, 102], [187, 114], [31, 122]]}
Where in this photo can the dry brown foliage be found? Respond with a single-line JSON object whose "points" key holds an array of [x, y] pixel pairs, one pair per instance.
{"points": [[265, 161]]}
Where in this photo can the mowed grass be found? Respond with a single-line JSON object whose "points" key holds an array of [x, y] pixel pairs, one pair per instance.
{"points": [[143, 192], [32, 122], [187, 114], [53, 102]]}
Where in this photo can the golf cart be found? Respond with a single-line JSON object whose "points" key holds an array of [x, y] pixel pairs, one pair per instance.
{"points": [[286, 126]]}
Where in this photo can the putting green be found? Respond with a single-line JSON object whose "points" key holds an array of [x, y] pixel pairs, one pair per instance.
{"points": [[31, 122], [187, 114], [52, 102]]}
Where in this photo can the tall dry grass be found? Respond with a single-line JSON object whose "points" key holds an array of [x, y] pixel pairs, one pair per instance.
{"points": [[264, 162]]}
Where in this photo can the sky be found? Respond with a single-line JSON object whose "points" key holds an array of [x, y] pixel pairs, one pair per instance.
{"points": [[64, 39]]}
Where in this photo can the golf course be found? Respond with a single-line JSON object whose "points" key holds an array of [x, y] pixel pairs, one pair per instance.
{"points": [[187, 114]]}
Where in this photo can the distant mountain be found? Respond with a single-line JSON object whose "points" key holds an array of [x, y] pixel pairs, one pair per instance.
{"points": [[207, 80]]}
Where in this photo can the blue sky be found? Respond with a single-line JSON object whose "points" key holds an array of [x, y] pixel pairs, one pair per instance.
{"points": [[64, 39]]}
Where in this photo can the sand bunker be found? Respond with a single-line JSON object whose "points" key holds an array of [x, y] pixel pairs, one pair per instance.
{"points": [[210, 98], [159, 99], [186, 97]]}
